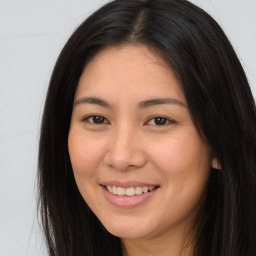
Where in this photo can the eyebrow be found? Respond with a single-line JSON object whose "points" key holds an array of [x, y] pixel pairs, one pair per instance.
{"points": [[160, 101], [93, 100], [143, 104]]}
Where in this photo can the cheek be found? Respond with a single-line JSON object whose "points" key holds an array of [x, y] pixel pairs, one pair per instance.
{"points": [[181, 154], [85, 154], [184, 161], [85, 157], [185, 165]]}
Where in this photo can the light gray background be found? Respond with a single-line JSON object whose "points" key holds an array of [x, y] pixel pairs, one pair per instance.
{"points": [[32, 34]]}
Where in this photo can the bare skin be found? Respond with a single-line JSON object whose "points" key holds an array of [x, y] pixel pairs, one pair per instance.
{"points": [[131, 127]]}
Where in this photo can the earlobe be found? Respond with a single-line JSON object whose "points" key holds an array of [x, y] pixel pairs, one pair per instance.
{"points": [[216, 164]]}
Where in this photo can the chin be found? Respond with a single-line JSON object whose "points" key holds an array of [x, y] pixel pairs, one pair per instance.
{"points": [[126, 233], [127, 230]]}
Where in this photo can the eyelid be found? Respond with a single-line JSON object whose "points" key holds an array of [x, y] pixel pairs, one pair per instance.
{"points": [[168, 120], [87, 117]]}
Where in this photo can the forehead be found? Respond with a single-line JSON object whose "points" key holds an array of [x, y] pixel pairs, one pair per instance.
{"points": [[128, 69]]}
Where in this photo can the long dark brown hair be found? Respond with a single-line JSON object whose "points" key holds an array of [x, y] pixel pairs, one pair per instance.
{"points": [[221, 105]]}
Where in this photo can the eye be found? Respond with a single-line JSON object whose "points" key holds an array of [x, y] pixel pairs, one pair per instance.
{"points": [[159, 120], [96, 119]]}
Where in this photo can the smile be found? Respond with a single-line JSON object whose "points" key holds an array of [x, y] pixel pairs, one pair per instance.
{"points": [[131, 191], [128, 195]]}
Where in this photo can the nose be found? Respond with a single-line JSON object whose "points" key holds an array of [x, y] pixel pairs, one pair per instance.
{"points": [[125, 150]]}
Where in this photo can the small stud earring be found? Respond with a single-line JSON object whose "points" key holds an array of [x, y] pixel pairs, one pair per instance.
{"points": [[216, 164]]}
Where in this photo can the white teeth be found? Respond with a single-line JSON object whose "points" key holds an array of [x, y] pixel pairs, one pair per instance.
{"points": [[145, 189], [120, 191], [131, 191], [114, 190], [138, 190], [109, 188]]}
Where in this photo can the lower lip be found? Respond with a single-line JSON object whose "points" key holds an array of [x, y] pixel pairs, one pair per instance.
{"points": [[128, 201]]}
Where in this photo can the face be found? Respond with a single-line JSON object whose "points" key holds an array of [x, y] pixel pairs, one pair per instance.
{"points": [[137, 158]]}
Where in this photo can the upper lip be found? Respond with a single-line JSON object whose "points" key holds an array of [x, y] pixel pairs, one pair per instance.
{"points": [[127, 184]]}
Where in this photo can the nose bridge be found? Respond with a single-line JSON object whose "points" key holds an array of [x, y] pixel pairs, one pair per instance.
{"points": [[124, 150], [122, 135]]}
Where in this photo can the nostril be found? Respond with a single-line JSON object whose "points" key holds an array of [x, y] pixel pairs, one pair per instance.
{"points": [[125, 159]]}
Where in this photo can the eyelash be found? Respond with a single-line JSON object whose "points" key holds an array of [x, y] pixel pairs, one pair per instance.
{"points": [[87, 118], [103, 120], [165, 120]]}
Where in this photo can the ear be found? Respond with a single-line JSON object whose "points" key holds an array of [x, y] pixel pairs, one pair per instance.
{"points": [[216, 164]]}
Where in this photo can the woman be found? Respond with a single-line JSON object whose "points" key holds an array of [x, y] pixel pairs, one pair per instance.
{"points": [[148, 137]]}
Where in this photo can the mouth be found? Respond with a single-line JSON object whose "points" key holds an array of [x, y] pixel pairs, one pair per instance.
{"points": [[128, 194], [130, 191]]}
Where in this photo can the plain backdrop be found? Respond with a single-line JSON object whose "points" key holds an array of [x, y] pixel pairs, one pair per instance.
{"points": [[32, 33]]}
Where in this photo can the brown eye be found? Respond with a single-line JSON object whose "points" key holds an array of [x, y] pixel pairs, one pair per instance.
{"points": [[159, 120], [96, 119]]}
